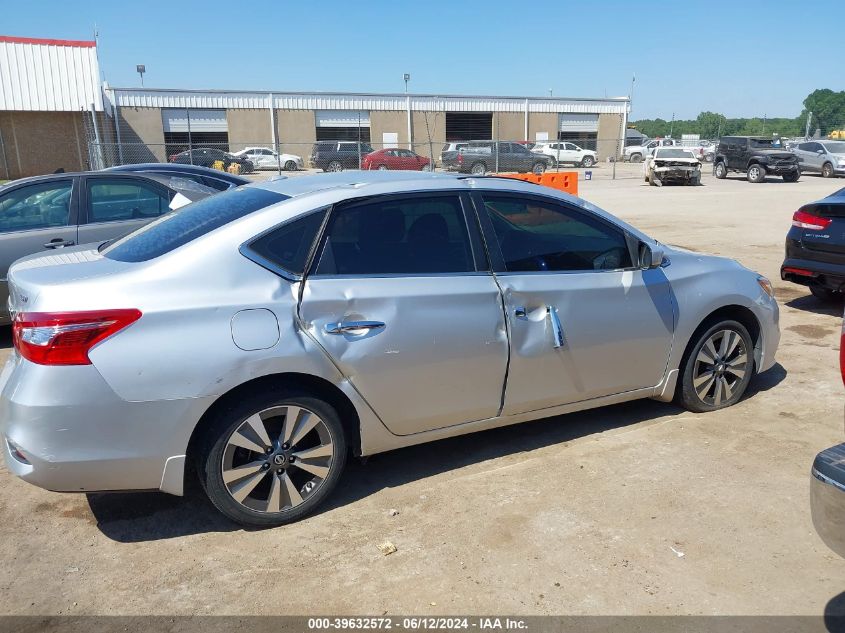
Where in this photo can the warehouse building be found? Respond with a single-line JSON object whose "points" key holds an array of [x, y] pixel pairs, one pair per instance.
{"points": [[56, 112]]}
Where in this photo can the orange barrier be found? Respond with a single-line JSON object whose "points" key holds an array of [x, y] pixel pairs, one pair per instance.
{"points": [[564, 180]]}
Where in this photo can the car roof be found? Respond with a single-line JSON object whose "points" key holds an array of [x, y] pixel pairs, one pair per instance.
{"points": [[180, 168], [69, 174]]}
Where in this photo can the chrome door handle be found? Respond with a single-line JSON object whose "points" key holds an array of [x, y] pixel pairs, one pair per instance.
{"points": [[58, 243], [557, 329], [349, 327]]}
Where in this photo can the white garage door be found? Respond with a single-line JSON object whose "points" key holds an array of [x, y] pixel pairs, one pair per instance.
{"points": [[578, 122], [342, 118], [177, 119]]}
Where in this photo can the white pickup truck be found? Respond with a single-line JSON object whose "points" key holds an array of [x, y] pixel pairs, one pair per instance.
{"points": [[636, 153]]}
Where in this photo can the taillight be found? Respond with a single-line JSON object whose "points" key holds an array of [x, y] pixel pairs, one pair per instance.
{"points": [[804, 220], [460, 157], [65, 338]]}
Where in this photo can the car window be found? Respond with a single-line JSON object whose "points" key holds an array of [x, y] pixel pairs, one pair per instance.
{"points": [[188, 223], [289, 245], [570, 146], [419, 235], [112, 200], [536, 235], [36, 206]]}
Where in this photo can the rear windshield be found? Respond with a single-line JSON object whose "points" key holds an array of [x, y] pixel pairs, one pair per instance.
{"points": [[192, 221]]}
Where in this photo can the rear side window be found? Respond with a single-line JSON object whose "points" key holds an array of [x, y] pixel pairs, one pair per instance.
{"points": [[289, 245], [188, 223], [419, 235]]}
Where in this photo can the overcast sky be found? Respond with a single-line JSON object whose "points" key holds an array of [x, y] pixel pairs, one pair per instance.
{"points": [[739, 58]]}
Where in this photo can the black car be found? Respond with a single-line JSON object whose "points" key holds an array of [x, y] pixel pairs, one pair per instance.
{"points": [[815, 247], [480, 157], [756, 157], [338, 155], [213, 178], [207, 156]]}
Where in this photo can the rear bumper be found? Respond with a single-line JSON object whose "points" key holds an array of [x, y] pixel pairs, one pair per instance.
{"points": [[827, 497], [808, 272], [76, 435]]}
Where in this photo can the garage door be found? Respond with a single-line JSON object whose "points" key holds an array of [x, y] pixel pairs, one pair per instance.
{"points": [[578, 122], [178, 120], [342, 125]]}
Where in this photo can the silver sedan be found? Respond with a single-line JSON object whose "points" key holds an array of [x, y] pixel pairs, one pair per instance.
{"points": [[261, 335]]}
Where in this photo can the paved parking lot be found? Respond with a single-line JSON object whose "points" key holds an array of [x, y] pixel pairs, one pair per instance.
{"points": [[638, 508]]}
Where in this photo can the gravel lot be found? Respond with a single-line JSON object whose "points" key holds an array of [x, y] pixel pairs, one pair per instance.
{"points": [[632, 509]]}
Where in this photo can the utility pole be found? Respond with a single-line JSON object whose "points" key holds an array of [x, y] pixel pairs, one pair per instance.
{"points": [[807, 128], [672, 125]]}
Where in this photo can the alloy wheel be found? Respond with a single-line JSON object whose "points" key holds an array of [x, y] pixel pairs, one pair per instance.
{"points": [[720, 367], [277, 458]]}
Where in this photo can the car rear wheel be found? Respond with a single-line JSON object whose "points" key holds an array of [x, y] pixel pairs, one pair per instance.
{"points": [[827, 170], [756, 173], [588, 161], [717, 367], [720, 171], [478, 169], [538, 168], [825, 294], [290, 165], [272, 458], [708, 158], [792, 176], [382, 167], [335, 165]]}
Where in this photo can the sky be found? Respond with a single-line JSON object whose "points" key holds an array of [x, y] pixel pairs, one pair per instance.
{"points": [[739, 58]]}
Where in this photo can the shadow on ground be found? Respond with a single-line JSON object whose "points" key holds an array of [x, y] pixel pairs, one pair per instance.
{"points": [[809, 303], [834, 614], [134, 517]]}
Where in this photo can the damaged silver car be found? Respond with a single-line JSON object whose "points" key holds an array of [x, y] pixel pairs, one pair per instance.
{"points": [[672, 164]]}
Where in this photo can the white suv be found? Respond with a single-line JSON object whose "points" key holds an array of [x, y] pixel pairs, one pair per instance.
{"points": [[562, 152], [266, 158]]}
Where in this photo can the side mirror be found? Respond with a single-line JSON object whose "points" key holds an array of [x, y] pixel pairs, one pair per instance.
{"points": [[819, 152], [650, 256]]}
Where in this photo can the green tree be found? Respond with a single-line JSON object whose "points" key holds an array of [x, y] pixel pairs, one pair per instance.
{"points": [[828, 108]]}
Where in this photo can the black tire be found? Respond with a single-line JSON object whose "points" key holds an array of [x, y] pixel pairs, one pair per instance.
{"points": [[695, 180], [708, 158], [478, 169], [290, 165], [539, 168], [686, 395], [756, 173], [720, 170], [382, 168], [587, 161], [827, 170], [209, 457], [334, 165], [636, 157], [826, 294], [792, 176]]}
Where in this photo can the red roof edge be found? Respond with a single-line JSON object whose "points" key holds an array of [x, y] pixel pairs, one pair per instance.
{"points": [[47, 42]]}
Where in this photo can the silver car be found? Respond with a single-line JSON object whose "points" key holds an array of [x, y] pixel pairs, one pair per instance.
{"points": [[262, 334], [823, 157]]}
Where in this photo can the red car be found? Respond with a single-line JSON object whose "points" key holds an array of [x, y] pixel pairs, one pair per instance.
{"points": [[395, 159]]}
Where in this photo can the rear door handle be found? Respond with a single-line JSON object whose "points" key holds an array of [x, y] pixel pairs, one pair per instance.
{"points": [[58, 243], [352, 327], [557, 329]]}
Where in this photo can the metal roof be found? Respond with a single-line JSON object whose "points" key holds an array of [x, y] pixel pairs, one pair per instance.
{"points": [[233, 99], [48, 75]]}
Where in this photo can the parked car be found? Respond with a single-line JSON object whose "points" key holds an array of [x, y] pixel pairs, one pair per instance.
{"points": [[636, 153], [480, 157], [564, 152], [49, 213], [756, 157], [815, 247], [672, 164], [827, 485], [705, 151], [395, 158], [452, 147], [207, 156], [266, 158], [214, 178], [339, 155], [824, 157], [257, 336]]}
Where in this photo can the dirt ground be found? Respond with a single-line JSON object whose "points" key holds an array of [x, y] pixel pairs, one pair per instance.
{"points": [[632, 509]]}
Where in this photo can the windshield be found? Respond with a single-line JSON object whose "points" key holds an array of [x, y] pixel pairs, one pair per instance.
{"points": [[760, 142], [671, 152], [835, 148], [194, 220]]}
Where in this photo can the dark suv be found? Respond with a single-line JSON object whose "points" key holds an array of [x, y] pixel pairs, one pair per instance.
{"points": [[338, 155], [755, 157]]}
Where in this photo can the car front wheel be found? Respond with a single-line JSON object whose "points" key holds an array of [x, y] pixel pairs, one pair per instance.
{"points": [[290, 165], [272, 458], [478, 169], [827, 170], [756, 173], [588, 161], [717, 367], [720, 171], [792, 176], [538, 168]]}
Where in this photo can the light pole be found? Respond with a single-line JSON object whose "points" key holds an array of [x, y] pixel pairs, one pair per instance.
{"points": [[407, 78], [141, 69]]}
